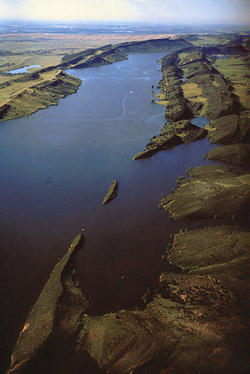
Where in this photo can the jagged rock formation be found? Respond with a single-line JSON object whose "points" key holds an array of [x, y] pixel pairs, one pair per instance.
{"points": [[171, 135]]}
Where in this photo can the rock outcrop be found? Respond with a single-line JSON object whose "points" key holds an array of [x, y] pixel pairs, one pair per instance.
{"points": [[192, 325], [236, 154], [112, 192], [224, 129], [53, 318], [37, 93], [191, 87], [172, 134], [211, 192]]}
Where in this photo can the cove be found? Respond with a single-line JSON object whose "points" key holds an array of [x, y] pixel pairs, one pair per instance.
{"points": [[56, 167]]}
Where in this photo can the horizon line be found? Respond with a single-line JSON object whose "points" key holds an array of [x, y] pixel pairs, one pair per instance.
{"points": [[141, 22]]}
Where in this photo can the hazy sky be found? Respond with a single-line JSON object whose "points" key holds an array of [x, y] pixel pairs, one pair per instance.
{"points": [[157, 11]]}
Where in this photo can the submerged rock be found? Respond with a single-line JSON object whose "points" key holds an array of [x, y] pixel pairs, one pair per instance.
{"points": [[112, 192]]}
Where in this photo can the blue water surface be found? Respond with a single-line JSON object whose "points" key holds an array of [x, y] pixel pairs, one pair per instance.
{"points": [[56, 166], [24, 69]]}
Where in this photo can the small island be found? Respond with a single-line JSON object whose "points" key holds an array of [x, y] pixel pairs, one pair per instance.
{"points": [[112, 192]]}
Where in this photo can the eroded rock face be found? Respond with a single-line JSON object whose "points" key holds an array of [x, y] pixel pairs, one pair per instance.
{"points": [[185, 130], [192, 325], [38, 94], [214, 289], [231, 129], [173, 134], [55, 312], [121, 342], [213, 191], [223, 252], [225, 129], [157, 144], [236, 154]]}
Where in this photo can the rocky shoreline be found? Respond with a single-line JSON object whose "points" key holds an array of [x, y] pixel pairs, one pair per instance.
{"points": [[35, 91], [192, 87], [212, 192], [197, 319], [199, 308], [30, 92], [173, 134]]}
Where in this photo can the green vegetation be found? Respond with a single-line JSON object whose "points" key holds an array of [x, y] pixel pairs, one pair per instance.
{"points": [[189, 57], [26, 93], [30, 92], [93, 57], [206, 91], [197, 83], [171, 94], [209, 40], [237, 70]]}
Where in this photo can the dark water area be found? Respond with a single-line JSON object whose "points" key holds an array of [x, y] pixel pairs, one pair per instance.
{"points": [[56, 166]]}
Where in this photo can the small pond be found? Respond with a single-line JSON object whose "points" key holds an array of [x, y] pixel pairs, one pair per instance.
{"points": [[25, 69]]}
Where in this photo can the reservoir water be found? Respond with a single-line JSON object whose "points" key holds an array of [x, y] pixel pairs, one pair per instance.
{"points": [[56, 166], [25, 69]]}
